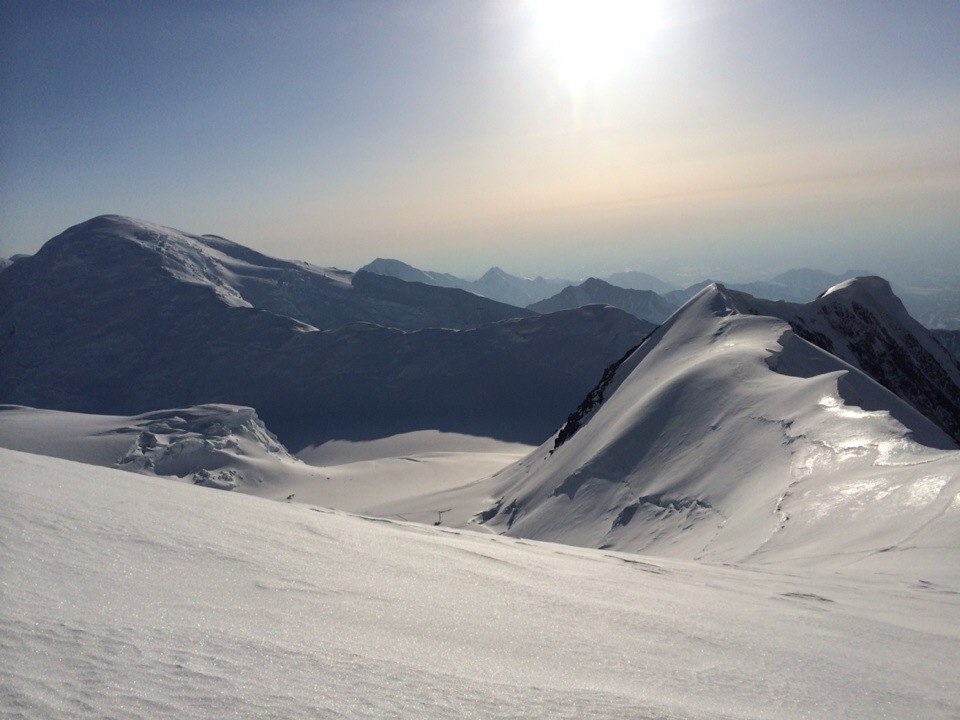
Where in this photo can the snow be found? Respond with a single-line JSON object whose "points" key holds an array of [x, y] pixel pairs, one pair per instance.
{"points": [[805, 516], [119, 317], [229, 448], [134, 597], [862, 322], [222, 446], [339, 452], [727, 437]]}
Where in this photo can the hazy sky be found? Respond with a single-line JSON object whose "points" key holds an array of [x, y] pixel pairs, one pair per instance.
{"points": [[687, 138]]}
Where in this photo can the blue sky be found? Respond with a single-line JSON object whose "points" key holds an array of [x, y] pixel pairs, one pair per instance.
{"points": [[731, 139]]}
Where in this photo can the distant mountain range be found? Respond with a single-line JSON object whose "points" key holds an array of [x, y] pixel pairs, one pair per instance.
{"points": [[495, 283], [936, 307], [636, 280], [644, 304]]}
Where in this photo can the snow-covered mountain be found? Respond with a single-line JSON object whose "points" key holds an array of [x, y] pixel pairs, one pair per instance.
{"points": [[863, 323], [804, 284], [727, 436], [119, 317], [643, 304], [798, 285], [133, 257]]}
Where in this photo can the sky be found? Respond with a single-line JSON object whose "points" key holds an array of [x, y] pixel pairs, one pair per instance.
{"points": [[689, 139]]}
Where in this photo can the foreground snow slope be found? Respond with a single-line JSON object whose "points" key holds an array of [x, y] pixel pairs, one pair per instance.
{"points": [[133, 597], [726, 436]]}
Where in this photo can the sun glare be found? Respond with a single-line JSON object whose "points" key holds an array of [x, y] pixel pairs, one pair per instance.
{"points": [[591, 40]]}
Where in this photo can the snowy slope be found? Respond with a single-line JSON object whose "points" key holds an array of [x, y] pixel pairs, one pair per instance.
{"points": [[862, 322], [798, 285], [643, 304], [229, 448], [134, 597], [804, 284], [727, 436]]}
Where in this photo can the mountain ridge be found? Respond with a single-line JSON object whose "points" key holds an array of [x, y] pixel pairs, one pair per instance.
{"points": [[727, 436], [116, 325]]}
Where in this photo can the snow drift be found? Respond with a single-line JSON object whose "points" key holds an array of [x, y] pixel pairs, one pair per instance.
{"points": [[219, 446]]}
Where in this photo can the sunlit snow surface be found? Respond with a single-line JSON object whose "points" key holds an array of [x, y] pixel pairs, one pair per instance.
{"points": [[727, 437], [129, 596]]}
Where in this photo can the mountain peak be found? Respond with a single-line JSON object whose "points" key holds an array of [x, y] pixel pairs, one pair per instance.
{"points": [[662, 454], [871, 284], [592, 282], [495, 273], [116, 225]]}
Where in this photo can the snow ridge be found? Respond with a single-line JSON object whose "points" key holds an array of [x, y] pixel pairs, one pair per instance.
{"points": [[864, 323], [728, 436]]}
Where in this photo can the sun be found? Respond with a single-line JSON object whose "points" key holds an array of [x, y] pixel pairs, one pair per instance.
{"points": [[591, 40]]}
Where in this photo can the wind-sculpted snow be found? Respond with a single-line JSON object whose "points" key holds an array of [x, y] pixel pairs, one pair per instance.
{"points": [[727, 436], [862, 322], [220, 446], [134, 597], [119, 317]]}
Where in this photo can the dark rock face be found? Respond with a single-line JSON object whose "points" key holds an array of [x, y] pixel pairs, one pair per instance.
{"points": [[950, 340], [592, 401]]}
